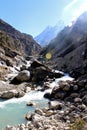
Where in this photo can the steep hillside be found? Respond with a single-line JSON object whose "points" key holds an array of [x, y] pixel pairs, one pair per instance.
{"points": [[17, 41], [69, 48], [49, 33]]}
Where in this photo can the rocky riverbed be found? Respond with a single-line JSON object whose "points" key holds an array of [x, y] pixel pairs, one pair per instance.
{"points": [[25, 78], [67, 99], [64, 108]]}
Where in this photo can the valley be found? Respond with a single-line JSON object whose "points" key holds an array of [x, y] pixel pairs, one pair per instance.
{"points": [[40, 91]]}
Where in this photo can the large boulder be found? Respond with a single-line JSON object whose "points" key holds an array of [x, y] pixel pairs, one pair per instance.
{"points": [[39, 72], [23, 76], [65, 86], [12, 93], [57, 93], [9, 94]]}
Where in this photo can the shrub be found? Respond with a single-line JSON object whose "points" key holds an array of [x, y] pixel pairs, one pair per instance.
{"points": [[78, 124]]}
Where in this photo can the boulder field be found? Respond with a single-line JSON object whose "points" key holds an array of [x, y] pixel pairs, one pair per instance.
{"points": [[17, 83], [67, 105]]}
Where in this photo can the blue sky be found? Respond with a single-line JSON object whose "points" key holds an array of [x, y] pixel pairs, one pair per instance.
{"points": [[32, 16]]}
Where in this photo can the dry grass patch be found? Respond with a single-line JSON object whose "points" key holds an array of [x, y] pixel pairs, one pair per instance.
{"points": [[79, 124]]}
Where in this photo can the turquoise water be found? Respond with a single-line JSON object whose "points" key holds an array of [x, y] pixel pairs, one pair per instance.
{"points": [[13, 111]]}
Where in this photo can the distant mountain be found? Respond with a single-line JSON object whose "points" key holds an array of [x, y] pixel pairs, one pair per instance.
{"points": [[69, 48], [13, 40], [49, 33]]}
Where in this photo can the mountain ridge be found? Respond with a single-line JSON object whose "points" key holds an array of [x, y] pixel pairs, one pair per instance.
{"points": [[26, 43], [69, 47]]}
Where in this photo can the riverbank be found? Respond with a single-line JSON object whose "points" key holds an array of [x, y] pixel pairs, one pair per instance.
{"points": [[17, 109], [13, 111], [67, 98], [63, 109]]}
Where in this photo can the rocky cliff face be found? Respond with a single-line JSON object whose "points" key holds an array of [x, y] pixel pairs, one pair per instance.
{"points": [[69, 48], [14, 40]]}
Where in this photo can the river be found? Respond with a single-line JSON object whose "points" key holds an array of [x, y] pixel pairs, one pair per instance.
{"points": [[13, 111]]}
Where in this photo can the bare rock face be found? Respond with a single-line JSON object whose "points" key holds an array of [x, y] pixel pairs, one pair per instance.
{"points": [[14, 41], [10, 53], [69, 48], [15, 44]]}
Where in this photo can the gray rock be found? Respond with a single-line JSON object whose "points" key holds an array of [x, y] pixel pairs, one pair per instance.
{"points": [[64, 86], [47, 95], [30, 104], [37, 124], [23, 76], [84, 99], [36, 117], [75, 87], [85, 118], [57, 93], [12, 93], [40, 72], [9, 94], [77, 100], [45, 109], [20, 94], [28, 116], [82, 106], [49, 113], [46, 85], [38, 111], [27, 89], [60, 94], [10, 128], [74, 95], [23, 67], [55, 105]]}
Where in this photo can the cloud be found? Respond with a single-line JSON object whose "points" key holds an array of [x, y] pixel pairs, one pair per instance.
{"points": [[71, 4], [74, 10]]}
